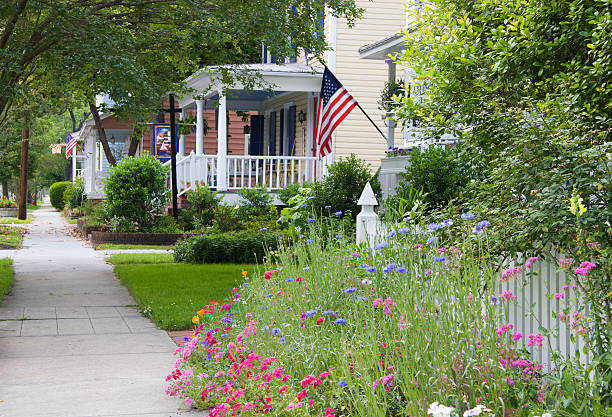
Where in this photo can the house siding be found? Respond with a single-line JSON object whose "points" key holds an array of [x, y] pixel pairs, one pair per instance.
{"points": [[300, 101]]}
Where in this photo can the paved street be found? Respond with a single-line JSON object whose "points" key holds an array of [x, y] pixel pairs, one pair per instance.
{"points": [[71, 341]]}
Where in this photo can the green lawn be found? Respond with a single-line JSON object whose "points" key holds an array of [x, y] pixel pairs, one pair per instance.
{"points": [[170, 293], [11, 236], [6, 277], [15, 220], [109, 246]]}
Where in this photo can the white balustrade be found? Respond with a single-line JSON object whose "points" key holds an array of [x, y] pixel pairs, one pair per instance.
{"points": [[272, 172]]}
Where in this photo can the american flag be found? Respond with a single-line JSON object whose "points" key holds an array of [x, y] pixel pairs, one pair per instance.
{"points": [[335, 103], [71, 143]]}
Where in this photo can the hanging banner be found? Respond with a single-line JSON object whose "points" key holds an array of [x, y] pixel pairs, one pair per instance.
{"points": [[161, 141], [57, 147]]}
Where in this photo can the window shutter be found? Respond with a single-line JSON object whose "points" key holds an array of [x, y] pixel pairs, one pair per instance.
{"points": [[281, 135], [291, 131], [272, 149]]}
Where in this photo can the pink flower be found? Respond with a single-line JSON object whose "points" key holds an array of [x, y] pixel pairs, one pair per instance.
{"points": [[535, 340], [310, 402], [507, 295], [320, 320], [269, 274], [509, 381], [470, 297], [559, 295], [226, 307], [593, 244], [517, 336], [301, 395], [188, 401]]}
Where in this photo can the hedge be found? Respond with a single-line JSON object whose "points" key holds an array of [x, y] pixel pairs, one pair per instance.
{"points": [[233, 247], [56, 194]]}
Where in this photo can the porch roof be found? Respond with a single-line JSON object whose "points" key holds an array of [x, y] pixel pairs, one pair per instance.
{"points": [[276, 78], [381, 49]]}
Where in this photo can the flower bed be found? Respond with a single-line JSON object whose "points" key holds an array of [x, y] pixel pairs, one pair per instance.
{"points": [[97, 237], [343, 331]]}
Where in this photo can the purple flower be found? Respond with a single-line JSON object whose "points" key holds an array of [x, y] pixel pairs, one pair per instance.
{"points": [[403, 230], [269, 295], [447, 222], [390, 235], [328, 312], [401, 269], [392, 265], [306, 268], [289, 280], [338, 213], [467, 216], [311, 197], [338, 237], [304, 205], [439, 258], [310, 219], [275, 331], [362, 266], [481, 225], [327, 207], [342, 383], [350, 290], [432, 240], [309, 241], [434, 226], [311, 313], [363, 298], [381, 245], [263, 229], [371, 268], [339, 321]]}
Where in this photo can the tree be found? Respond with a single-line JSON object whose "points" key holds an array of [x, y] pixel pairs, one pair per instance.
{"points": [[527, 86]]}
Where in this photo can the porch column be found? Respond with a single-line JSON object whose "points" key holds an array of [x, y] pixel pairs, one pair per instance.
{"points": [[391, 123], [90, 152], [181, 149], [310, 173], [74, 164], [222, 144], [199, 127]]}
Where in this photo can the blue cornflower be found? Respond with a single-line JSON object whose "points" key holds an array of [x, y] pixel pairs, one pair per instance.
{"points": [[269, 295], [363, 298], [328, 312], [282, 339], [439, 258], [338, 237], [342, 383], [327, 207], [432, 240], [381, 245], [386, 270], [434, 226], [494, 300], [289, 280], [245, 284], [392, 265], [362, 266], [311, 313], [275, 331], [311, 197], [467, 216], [224, 335], [339, 321], [263, 229], [310, 219], [390, 235], [403, 230], [338, 213], [186, 339], [481, 225], [350, 290], [304, 205], [401, 269], [371, 268], [306, 268], [447, 222], [309, 241]]}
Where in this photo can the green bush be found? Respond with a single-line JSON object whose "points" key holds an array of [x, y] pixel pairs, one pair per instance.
{"points": [[201, 212], [56, 194], [74, 194], [441, 172], [290, 191], [233, 247], [165, 224], [136, 191], [255, 202], [343, 185]]}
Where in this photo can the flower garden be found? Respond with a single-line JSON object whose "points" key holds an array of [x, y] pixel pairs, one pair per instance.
{"points": [[412, 327]]}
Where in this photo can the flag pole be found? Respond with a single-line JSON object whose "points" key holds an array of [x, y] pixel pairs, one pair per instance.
{"points": [[363, 111]]}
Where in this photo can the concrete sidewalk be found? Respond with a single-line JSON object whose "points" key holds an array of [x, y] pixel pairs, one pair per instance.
{"points": [[71, 341]]}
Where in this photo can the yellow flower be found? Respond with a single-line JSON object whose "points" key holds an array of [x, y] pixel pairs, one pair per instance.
{"points": [[201, 313], [576, 206], [244, 273], [195, 319]]}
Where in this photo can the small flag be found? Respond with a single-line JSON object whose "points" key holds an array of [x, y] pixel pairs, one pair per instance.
{"points": [[71, 143], [335, 103], [56, 147]]}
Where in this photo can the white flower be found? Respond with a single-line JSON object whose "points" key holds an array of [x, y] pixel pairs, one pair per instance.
{"points": [[438, 410], [546, 415], [476, 411]]}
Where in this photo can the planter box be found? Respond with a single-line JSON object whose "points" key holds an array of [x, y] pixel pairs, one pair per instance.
{"points": [[389, 175], [9, 212], [86, 229], [98, 237]]}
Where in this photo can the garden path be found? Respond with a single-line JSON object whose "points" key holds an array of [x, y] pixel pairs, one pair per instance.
{"points": [[71, 342]]}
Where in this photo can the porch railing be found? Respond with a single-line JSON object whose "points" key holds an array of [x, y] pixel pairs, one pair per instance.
{"points": [[243, 171]]}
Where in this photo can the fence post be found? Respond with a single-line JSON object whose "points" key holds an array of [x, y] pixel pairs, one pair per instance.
{"points": [[367, 219]]}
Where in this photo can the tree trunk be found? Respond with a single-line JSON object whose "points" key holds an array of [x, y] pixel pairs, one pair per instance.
{"points": [[133, 146], [102, 134], [4, 189], [23, 175], [35, 195]]}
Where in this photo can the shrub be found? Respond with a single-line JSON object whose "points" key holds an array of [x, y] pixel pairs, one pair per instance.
{"points": [[441, 172], [343, 185], [74, 194], [291, 191], [6, 203], [56, 194], [234, 247], [226, 220], [165, 224], [201, 212], [255, 202], [136, 191]]}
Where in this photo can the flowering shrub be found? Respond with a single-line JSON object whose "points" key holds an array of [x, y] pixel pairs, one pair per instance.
{"points": [[6, 203], [333, 329]]}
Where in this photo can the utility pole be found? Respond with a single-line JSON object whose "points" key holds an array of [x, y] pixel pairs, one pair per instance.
{"points": [[173, 110], [23, 174]]}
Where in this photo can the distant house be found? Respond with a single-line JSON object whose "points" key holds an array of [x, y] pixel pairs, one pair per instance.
{"points": [[272, 143]]}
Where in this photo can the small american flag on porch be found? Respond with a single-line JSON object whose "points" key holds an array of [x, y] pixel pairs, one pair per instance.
{"points": [[335, 103], [71, 143]]}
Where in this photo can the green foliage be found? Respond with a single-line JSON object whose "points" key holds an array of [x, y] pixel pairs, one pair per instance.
{"points": [[6, 277], [225, 220], [234, 247], [165, 224], [255, 202], [74, 195], [343, 185], [6, 203], [203, 204], [136, 191], [406, 205], [440, 172], [290, 191], [56, 194]]}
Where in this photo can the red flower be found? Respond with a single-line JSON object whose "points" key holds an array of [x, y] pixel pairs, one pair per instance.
{"points": [[320, 320], [298, 279]]}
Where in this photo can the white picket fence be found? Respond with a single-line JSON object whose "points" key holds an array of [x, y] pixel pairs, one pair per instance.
{"points": [[533, 310]]}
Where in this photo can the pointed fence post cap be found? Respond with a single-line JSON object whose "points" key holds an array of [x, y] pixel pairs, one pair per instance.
{"points": [[367, 197]]}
